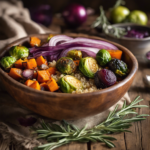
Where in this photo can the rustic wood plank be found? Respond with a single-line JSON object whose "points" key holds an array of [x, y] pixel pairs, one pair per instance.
{"points": [[73, 146]]}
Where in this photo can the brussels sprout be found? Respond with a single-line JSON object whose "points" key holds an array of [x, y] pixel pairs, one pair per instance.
{"points": [[66, 65], [103, 57], [88, 66], [75, 54], [118, 67], [19, 52], [68, 84], [7, 62]]}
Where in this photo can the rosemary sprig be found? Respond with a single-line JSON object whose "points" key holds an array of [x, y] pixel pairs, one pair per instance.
{"points": [[117, 121], [107, 28]]}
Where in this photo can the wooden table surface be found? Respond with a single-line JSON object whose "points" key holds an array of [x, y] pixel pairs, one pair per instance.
{"points": [[139, 139]]}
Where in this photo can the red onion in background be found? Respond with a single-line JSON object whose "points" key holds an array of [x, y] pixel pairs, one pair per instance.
{"points": [[41, 14], [74, 15]]}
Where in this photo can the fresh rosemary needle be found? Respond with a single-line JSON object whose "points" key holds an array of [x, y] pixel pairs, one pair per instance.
{"points": [[116, 122]]}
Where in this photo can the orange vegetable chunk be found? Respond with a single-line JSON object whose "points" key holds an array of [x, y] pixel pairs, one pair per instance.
{"points": [[18, 64], [52, 70], [52, 85], [40, 60], [15, 73], [115, 54], [31, 64], [34, 41], [29, 82], [35, 85], [44, 85], [77, 62], [43, 76]]}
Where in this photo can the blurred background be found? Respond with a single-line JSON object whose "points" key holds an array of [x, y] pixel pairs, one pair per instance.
{"points": [[59, 5]]}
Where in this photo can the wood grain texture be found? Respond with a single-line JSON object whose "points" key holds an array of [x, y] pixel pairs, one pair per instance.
{"points": [[139, 139]]}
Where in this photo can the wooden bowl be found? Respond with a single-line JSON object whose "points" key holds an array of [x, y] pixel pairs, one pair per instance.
{"points": [[68, 106]]}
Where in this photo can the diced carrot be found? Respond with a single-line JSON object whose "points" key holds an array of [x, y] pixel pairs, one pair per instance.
{"points": [[77, 62], [35, 85], [15, 73], [44, 86], [52, 70], [31, 64], [52, 85], [43, 76], [18, 64], [29, 82], [34, 41], [115, 53], [40, 60]]}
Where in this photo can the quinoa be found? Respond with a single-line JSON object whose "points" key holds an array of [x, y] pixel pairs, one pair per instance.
{"points": [[88, 84]]}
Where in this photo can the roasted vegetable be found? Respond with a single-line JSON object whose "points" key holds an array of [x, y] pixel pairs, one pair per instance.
{"points": [[52, 70], [104, 78], [66, 65], [19, 52], [52, 85], [35, 85], [31, 64], [29, 82], [15, 73], [88, 66], [40, 60], [115, 54], [68, 84], [7, 62], [77, 62], [75, 54], [28, 73], [18, 64], [119, 67], [43, 76], [103, 57], [34, 41]]}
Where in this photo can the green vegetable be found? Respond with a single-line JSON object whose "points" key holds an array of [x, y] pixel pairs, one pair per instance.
{"points": [[19, 52], [88, 66], [116, 122], [75, 54], [66, 65], [119, 67], [103, 57], [138, 17], [119, 14], [68, 84], [7, 61]]}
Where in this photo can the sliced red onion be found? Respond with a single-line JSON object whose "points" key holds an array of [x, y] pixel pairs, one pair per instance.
{"points": [[28, 73], [148, 55], [88, 50], [58, 38], [92, 43]]}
